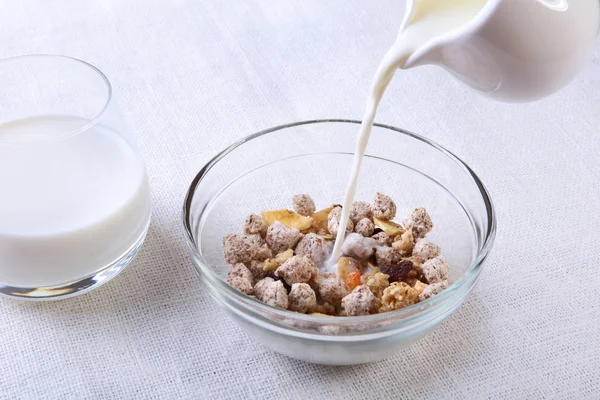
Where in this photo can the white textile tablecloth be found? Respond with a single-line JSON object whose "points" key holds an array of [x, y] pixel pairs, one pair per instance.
{"points": [[192, 77]]}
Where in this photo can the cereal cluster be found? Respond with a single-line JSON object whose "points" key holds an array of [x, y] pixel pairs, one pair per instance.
{"points": [[280, 259]]}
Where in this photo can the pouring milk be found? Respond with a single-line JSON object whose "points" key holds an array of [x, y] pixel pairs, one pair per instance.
{"points": [[516, 50]]}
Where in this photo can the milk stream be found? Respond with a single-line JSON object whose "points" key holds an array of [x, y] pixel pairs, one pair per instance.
{"points": [[70, 205], [430, 19]]}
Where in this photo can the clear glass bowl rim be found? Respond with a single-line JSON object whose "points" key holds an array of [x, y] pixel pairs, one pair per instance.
{"points": [[405, 314]]}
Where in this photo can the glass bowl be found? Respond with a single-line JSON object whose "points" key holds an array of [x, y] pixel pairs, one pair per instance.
{"points": [[263, 172]]}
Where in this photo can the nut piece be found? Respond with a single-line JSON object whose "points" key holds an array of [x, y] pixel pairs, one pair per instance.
{"points": [[358, 247], [302, 298], [390, 227], [304, 205], [377, 282], [255, 225], [241, 284], [239, 248], [314, 246], [360, 210], [333, 222], [275, 295], [298, 269], [432, 290], [281, 237], [425, 250], [398, 295], [261, 286], [436, 270], [364, 227], [239, 270], [360, 302], [383, 207], [404, 244], [382, 238], [333, 290], [419, 223], [287, 218], [272, 263]]}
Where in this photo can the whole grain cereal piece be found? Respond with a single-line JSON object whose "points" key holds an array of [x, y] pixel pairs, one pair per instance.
{"points": [[241, 284], [425, 250], [239, 270], [314, 246], [333, 221], [405, 243], [298, 269], [398, 295], [257, 269], [361, 301], [262, 253], [302, 298], [280, 237], [275, 295], [261, 286], [255, 225], [383, 207], [419, 223], [364, 227], [387, 257], [435, 270], [377, 283], [431, 290], [304, 205], [382, 238], [360, 210], [333, 290], [239, 248], [357, 246]]}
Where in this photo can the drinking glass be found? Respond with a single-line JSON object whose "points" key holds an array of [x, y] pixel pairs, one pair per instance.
{"points": [[75, 200]]}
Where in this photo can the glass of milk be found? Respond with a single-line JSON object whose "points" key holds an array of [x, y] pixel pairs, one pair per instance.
{"points": [[74, 195]]}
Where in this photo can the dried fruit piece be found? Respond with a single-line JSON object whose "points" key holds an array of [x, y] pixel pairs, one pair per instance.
{"points": [[390, 227], [398, 295], [303, 204], [347, 265], [353, 280], [383, 207], [319, 220], [273, 263], [420, 286], [287, 218]]}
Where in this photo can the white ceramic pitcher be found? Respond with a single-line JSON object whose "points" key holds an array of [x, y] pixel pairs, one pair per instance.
{"points": [[515, 50]]}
